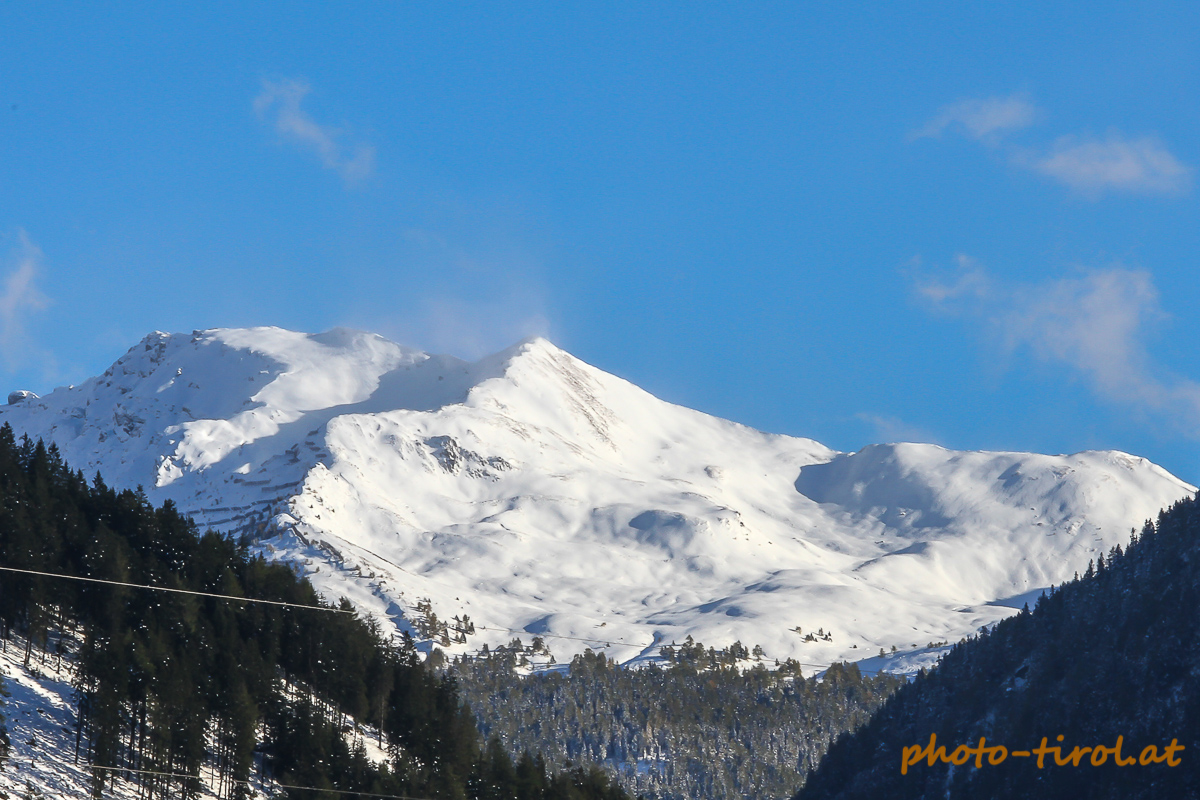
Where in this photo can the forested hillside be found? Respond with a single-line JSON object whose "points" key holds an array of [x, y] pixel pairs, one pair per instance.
{"points": [[1111, 658], [708, 727], [168, 683]]}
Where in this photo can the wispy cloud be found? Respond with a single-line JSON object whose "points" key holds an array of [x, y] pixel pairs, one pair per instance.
{"points": [[982, 119], [281, 102], [970, 281], [1095, 166], [19, 298], [1096, 324], [1088, 165]]}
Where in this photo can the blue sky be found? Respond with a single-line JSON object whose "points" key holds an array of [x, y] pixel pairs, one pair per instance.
{"points": [[888, 222]]}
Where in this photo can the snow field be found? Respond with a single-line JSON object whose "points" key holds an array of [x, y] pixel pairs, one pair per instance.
{"points": [[536, 493]]}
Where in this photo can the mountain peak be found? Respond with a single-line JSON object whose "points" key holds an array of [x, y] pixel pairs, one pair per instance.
{"points": [[536, 492], [531, 348]]}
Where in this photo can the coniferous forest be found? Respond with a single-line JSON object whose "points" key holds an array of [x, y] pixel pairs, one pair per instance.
{"points": [[705, 727], [167, 683], [1109, 657]]}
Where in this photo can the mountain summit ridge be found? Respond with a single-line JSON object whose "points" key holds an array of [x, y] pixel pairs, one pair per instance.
{"points": [[537, 493]]}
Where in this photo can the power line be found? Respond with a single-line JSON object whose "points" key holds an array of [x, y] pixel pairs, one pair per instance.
{"points": [[249, 783], [347, 791], [176, 591], [605, 642]]}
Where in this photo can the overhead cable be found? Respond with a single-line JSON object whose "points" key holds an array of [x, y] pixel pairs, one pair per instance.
{"points": [[176, 591], [249, 783]]}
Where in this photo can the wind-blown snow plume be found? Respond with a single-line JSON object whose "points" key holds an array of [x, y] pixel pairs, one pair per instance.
{"points": [[20, 297]]}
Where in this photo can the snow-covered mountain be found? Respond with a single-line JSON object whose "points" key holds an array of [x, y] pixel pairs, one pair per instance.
{"points": [[536, 493]]}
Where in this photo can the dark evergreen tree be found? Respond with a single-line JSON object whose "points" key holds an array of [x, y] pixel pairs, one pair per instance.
{"points": [[168, 683], [1108, 656], [705, 727]]}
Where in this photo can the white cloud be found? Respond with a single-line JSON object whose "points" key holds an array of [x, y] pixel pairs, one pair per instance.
{"points": [[19, 297], [971, 282], [983, 119], [292, 122], [1096, 324], [1088, 165], [1093, 166]]}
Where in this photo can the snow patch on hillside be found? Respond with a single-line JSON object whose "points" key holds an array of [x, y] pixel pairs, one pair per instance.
{"points": [[535, 493], [41, 719]]}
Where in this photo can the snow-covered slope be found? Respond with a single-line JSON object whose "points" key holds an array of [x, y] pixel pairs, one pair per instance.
{"points": [[534, 492], [40, 715]]}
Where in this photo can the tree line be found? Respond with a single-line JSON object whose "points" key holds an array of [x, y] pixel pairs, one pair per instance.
{"points": [[170, 683]]}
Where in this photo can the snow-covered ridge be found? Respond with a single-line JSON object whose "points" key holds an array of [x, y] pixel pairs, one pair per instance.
{"points": [[532, 491]]}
